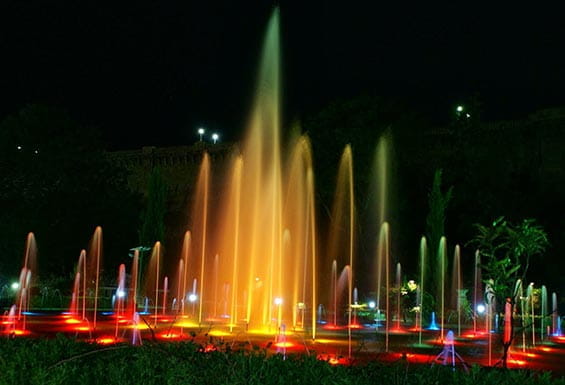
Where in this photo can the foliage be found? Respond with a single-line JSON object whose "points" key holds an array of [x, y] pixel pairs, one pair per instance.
{"points": [[64, 361], [153, 217], [506, 250]]}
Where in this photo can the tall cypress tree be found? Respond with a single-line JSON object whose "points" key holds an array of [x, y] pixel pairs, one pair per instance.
{"points": [[153, 217]]}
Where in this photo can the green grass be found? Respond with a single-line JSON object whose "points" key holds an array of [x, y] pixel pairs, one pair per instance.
{"points": [[65, 361]]}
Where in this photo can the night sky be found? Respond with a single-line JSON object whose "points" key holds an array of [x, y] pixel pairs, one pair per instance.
{"points": [[151, 72]]}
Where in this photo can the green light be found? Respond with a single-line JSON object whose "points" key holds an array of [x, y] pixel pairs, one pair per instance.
{"points": [[459, 108]]}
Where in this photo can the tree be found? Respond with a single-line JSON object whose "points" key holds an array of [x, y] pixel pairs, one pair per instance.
{"points": [[507, 249], [56, 181], [153, 217]]}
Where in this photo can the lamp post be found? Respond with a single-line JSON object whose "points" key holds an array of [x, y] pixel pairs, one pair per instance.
{"points": [[201, 132], [215, 137]]}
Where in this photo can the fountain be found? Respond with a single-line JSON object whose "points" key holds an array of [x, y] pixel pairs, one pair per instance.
{"points": [[256, 263]]}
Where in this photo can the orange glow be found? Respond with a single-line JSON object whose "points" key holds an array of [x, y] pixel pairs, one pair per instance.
{"points": [[82, 328], [332, 359], [19, 332], [546, 349], [171, 336], [72, 321], [210, 348], [186, 324], [518, 362], [355, 326], [284, 344], [106, 340], [326, 341], [219, 333], [560, 338]]}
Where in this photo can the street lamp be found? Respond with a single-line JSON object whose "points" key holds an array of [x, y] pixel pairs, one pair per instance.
{"points": [[201, 132], [215, 137]]}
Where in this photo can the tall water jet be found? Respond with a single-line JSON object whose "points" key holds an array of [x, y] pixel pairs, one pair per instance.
{"points": [[555, 315], [95, 253], [334, 291], [134, 283], [82, 267], [235, 205], [186, 244], [311, 221], [456, 286], [476, 288], [383, 263], [421, 292], [75, 295], [200, 223], [441, 266], [342, 232], [120, 296], [530, 305], [29, 265], [165, 291], [543, 311], [398, 294], [380, 181], [152, 278]]}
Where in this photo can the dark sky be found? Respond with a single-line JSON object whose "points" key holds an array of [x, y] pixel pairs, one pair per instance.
{"points": [[150, 72]]}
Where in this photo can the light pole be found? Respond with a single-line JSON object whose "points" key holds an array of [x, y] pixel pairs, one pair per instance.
{"points": [[201, 132], [215, 137]]}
